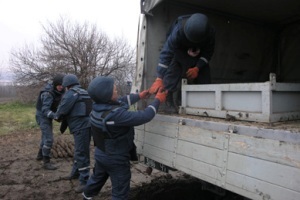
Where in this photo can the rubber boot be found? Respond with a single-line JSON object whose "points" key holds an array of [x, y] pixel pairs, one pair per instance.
{"points": [[39, 155], [70, 177], [80, 188], [170, 107], [47, 164]]}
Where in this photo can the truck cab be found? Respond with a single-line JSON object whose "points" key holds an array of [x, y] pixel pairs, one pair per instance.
{"points": [[240, 133]]}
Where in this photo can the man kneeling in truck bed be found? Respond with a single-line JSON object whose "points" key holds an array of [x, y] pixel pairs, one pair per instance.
{"points": [[185, 54]]}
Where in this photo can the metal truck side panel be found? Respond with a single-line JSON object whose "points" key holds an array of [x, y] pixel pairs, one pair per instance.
{"points": [[255, 167]]}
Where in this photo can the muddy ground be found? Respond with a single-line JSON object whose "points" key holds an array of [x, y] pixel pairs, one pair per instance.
{"points": [[22, 177]]}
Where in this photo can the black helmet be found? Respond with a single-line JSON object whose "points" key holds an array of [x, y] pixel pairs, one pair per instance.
{"points": [[70, 80], [196, 27], [101, 89], [57, 80]]}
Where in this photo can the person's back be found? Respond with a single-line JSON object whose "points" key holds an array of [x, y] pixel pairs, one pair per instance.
{"points": [[112, 120], [112, 126], [74, 110], [77, 106]]}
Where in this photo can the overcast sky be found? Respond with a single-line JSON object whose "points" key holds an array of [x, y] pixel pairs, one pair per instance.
{"points": [[21, 20]]}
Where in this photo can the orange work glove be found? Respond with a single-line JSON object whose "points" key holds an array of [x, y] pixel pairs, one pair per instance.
{"points": [[144, 94], [156, 85], [192, 73], [161, 95]]}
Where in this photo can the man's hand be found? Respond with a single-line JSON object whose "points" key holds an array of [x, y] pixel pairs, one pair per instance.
{"points": [[158, 83], [63, 126], [144, 94], [192, 73], [58, 120], [161, 95]]}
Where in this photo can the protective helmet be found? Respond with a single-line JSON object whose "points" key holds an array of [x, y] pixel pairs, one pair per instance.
{"points": [[196, 27], [70, 80], [101, 89], [57, 80]]}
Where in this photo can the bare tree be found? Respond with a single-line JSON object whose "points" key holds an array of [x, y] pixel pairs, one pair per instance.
{"points": [[80, 49]]}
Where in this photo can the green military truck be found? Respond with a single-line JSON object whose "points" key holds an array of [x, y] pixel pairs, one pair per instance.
{"points": [[242, 132]]}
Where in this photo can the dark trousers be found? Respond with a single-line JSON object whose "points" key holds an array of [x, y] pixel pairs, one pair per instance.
{"points": [[46, 127], [177, 69], [81, 164], [115, 167]]}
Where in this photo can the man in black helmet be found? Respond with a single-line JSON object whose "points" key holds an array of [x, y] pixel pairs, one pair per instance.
{"points": [[46, 106], [75, 108], [185, 54]]}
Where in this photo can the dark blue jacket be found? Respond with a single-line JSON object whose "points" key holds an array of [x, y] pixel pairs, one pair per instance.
{"points": [[48, 101], [177, 42], [75, 107], [117, 127]]}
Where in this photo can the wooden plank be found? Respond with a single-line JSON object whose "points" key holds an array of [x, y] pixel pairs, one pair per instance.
{"points": [[201, 136], [140, 127], [139, 135], [160, 141], [237, 115], [139, 138], [266, 149], [281, 175], [258, 189], [160, 155], [139, 147], [227, 87], [162, 128], [201, 170], [200, 153]]}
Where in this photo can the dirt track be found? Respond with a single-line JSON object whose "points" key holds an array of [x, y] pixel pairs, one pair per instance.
{"points": [[22, 177]]}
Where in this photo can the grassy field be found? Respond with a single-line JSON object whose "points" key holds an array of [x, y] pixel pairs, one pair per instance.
{"points": [[16, 116]]}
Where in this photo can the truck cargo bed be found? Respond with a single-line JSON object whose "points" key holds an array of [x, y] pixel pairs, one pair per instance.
{"points": [[255, 160], [242, 131], [262, 102]]}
